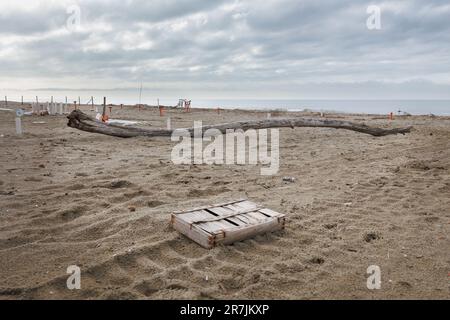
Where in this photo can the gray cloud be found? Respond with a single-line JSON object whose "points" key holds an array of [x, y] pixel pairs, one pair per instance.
{"points": [[230, 47]]}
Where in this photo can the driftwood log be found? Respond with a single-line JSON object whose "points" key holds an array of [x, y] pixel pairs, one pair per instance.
{"points": [[81, 121]]}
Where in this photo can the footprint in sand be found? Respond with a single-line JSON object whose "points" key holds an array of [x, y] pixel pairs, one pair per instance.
{"points": [[72, 213]]}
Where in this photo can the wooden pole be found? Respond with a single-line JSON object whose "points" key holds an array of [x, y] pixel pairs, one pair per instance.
{"points": [[92, 103], [22, 101], [104, 109], [79, 101], [6, 100]]}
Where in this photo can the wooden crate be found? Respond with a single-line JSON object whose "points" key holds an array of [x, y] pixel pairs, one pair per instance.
{"points": [[227, 222]]}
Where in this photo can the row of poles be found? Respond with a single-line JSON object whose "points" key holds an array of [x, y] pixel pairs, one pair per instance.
{"points": [[187, 107], [51, 98], [103, 116]]}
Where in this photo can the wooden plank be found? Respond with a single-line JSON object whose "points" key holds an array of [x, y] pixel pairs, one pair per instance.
{"points": [[249, 205], [271, 212], [190, 216], [198, 235], [251, 231], [207, 207], [258, 216], [213, 227], [219, 224], [223, 217], [241, 219], [224, 211]]}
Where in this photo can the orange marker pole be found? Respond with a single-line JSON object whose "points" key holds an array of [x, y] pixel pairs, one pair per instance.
{"points": [[161, 111], [110, 110], [391, 116]]}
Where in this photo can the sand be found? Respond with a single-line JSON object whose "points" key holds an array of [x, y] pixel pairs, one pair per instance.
{"points": [[102, 203]]}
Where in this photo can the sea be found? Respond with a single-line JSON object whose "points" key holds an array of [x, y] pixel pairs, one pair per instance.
{"points": [[414, 107]]}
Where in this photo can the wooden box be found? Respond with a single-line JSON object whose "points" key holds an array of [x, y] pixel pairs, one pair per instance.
{"points": [[227, 222]]}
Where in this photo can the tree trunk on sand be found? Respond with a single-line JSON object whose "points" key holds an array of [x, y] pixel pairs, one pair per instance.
{"points": [[81, 121]]}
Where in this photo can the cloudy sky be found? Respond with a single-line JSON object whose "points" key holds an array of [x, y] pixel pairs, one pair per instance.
{"points": [[229, 49]]}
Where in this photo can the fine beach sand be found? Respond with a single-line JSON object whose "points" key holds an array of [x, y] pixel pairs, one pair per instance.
{"points": [[102, 203]]}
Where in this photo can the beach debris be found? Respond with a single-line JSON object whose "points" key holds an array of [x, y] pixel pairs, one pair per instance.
{"points": [[121, 122], [317, 260], [289, 179], [226, 223], [348, 204], [82, 121], [370, 236]]}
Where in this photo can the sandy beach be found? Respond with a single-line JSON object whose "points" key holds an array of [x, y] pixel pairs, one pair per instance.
{"points": [[103, 203]]}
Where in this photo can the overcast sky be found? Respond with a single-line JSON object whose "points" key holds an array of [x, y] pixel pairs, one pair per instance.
{"points": [[229, 49]]}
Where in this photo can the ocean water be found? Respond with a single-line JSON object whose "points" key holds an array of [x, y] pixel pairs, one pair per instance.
{"points": [[437, 107], [416, 107]]}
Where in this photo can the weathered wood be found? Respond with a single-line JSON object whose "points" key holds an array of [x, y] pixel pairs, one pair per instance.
{"points": [[81, 121], [230, 222]]}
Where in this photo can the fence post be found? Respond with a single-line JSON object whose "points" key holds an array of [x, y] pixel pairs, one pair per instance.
{"points": [[104, 110], [18, 126]]}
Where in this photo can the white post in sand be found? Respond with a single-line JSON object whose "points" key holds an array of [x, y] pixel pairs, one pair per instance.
{"points": [[169, 124], [19, 114], [269, 115], [18, 126]]}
